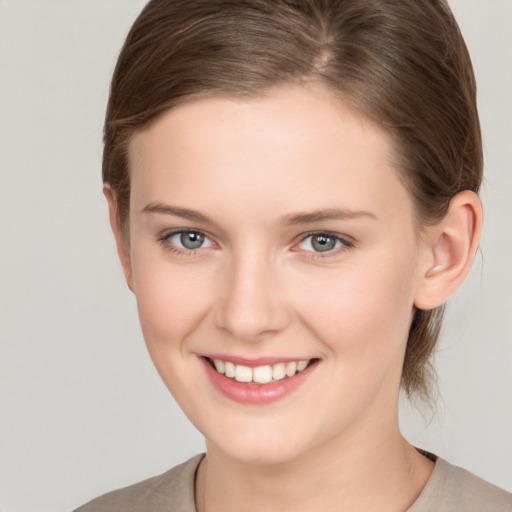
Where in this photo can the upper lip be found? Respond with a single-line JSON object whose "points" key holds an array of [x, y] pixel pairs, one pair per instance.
{"points": [[252, 363]]}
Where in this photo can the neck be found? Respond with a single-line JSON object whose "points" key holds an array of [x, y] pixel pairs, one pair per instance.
{"points": [[369, 470]]}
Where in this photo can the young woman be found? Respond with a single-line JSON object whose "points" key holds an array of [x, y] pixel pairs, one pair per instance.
{"points": [[292, 187]]}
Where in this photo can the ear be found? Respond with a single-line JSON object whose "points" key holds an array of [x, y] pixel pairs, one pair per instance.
{"points": [[449, 250], [122, 244]]}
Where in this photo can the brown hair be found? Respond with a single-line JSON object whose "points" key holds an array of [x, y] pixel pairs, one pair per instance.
{"points": [[403, 63]]}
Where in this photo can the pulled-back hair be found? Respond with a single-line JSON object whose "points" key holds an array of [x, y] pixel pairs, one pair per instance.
{"points": [[403, 63]]}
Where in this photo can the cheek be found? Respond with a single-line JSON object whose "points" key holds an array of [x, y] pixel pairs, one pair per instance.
{"points": [[363, 311], [172, 302], [171, 299]]}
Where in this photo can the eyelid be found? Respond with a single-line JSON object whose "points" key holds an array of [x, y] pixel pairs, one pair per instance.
{"points": [[165, 236], [346, 243]]}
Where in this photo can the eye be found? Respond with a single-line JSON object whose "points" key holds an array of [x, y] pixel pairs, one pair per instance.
{"points": [[323, 243], [186, 240]]}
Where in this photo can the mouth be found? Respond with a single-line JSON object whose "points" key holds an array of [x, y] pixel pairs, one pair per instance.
{"points": [[263, 374], [257, 382]]}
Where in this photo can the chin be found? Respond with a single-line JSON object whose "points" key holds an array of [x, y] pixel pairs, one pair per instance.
{"points": [[259, 447], [260, 454]]}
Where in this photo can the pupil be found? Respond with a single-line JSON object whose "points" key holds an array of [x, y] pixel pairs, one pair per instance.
{"points": [[322, 243], [192, 240]]}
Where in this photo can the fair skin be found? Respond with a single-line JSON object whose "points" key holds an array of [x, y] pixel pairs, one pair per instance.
{"points": [[260, 285]]}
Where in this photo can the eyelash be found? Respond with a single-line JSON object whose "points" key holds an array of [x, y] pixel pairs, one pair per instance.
{"points": [[190, 253], [187, 253], [345, 244]]}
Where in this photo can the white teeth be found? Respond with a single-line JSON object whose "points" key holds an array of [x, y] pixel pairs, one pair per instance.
{"points": [[260, 374], [279, 371], [243, 373], [301, 365], [291, 369], [229, 369], [219, 365]]}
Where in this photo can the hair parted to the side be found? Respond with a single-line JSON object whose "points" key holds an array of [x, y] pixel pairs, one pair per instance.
{"points": [[403, 63]]}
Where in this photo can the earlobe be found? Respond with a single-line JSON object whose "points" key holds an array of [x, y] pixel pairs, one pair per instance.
{"points": [[123, 249], [450, 250]]}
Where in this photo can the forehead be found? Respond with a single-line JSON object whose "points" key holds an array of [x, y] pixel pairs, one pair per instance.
{"points": [[294, 147]]}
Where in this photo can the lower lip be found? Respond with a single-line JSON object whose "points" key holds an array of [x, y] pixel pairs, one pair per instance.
{"points": [[258, 394]]}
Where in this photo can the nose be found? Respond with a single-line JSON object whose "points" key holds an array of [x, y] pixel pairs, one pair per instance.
{"points": [[251, 305]]}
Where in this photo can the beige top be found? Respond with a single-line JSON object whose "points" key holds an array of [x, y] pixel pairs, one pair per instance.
{"points": [[449, 489]]}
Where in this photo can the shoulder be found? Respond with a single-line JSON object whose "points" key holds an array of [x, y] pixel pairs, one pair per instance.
{"points": [[169, 492], [453, 489]]}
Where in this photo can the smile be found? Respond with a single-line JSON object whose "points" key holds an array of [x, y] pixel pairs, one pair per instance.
{"points": [[259, 374], [258, 382]]}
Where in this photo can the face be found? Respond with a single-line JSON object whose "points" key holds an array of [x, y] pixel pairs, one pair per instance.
{"points": [[269, 235]]}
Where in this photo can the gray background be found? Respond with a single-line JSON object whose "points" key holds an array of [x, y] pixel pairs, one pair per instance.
{"points": [[82, 409]]}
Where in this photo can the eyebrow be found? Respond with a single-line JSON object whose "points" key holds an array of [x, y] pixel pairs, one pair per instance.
{"points": [[184, 213], [295, 219], [292, 219]]}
